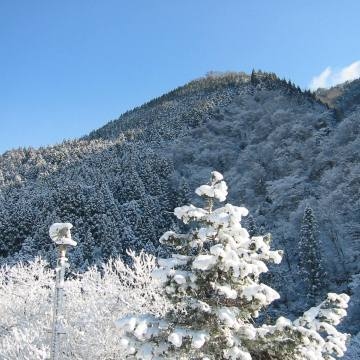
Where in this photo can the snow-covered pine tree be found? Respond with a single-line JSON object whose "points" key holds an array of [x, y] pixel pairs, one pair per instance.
{"points": [[310, 262], [213, 282]]}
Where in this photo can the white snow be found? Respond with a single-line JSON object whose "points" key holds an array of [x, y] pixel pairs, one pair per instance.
{"points": [[176, 338], [218, 250], [180, 279], [282, 322], [60, 234], [127, 323], [216, 176], [141, 330], [229, 317], [165, 237], [189, 212], [204, 262], [198, 339], [217, 189], [226, 290], [145, 352], [206, 190], [260, 292], [236, 353], [220, 191], [173, 261]]}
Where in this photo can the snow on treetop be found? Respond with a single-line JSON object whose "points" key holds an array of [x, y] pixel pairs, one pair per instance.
{"points": [[216, 176], [217, 188], [341, 299], [187, 212], [229, 214], [237, 211], [217, 191], [60, 234]]}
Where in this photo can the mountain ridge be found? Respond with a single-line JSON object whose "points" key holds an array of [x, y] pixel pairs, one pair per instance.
{"points": [[278, 147], [343, 98], [212, 80]]}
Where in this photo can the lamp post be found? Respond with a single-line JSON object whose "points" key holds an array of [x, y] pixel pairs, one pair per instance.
{"points": [[60, 234]]}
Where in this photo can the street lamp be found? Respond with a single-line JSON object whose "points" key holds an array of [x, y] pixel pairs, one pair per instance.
{"points": [[60, 234]]}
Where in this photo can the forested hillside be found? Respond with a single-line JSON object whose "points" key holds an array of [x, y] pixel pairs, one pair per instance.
{"points": [[282, 150]]}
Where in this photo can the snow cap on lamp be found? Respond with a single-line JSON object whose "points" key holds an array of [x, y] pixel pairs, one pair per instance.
{"points": [[60, 234]]}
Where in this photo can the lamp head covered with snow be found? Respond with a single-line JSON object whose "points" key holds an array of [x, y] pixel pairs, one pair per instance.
{"points": [[60, 234]]}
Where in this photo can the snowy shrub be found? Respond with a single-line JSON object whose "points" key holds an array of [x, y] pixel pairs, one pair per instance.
{"points": [[93, 300], [213, 281], [25, 311]]}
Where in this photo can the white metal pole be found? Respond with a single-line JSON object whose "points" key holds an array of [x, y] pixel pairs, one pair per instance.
{"points": [[57, 328]]}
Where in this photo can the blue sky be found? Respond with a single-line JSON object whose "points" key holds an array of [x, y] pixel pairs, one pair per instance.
{"points": [[67, 67]]}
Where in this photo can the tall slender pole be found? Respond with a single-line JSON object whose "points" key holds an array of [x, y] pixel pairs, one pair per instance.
{"points": [[57, 328], [60, 234]]}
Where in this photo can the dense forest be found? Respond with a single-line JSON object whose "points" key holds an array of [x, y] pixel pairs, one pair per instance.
{"points": [[284, 151]]}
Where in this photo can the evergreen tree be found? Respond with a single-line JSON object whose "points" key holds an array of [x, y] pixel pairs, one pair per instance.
{"points": [[129, 239], [184, 193], [214, 286], [28, 250], [253, 78], [311, 268], [252, 227]]}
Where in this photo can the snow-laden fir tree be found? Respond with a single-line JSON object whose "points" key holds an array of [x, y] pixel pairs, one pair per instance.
{"points": [[213, 282], [310, 262]]}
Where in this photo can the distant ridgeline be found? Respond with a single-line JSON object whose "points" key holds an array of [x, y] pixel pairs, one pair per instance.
{"points": [[281, 150]]}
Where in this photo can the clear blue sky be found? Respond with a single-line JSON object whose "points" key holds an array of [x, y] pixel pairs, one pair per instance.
{"points": [[70, 66]]}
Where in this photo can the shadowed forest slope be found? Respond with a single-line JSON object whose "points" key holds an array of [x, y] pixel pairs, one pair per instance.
{"points": [[280, 150]]}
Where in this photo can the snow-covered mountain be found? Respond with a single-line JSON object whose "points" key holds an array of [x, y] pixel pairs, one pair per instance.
{"points": [[279, 148], [345, 97]]}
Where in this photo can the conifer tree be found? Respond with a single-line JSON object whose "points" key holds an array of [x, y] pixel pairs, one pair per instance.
{"points": [[213, 283], [183, 194], [252, 227], [253, 78], [311, 268]]}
